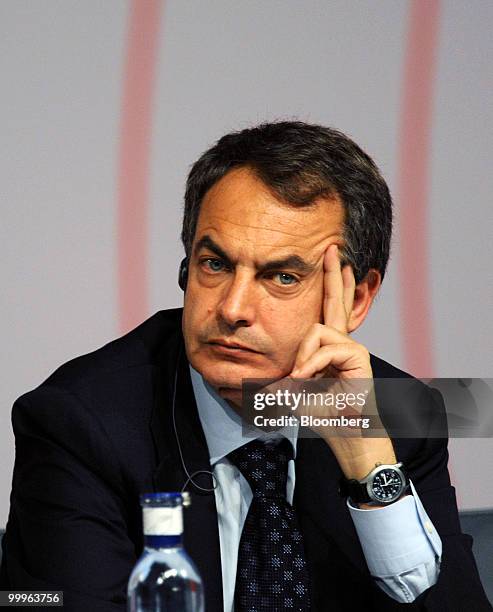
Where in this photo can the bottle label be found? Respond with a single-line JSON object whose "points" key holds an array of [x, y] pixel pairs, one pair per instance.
{"points": [[163, 521]]}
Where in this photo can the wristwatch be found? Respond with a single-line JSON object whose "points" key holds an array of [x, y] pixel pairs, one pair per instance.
{"points": [[383, 485]]}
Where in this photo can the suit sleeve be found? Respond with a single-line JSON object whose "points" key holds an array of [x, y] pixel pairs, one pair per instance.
{"points": [[458, 586], [67, 528]]}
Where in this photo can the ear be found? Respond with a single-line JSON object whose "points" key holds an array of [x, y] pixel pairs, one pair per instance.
{"points": [[364, 294]]}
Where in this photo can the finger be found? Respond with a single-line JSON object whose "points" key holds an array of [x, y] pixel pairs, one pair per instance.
{"points": [[349, 283], [333, 308], [319, 335], [340, 356]]}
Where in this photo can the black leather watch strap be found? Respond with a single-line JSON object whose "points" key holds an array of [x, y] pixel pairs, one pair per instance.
{"points": [[354, 489]]}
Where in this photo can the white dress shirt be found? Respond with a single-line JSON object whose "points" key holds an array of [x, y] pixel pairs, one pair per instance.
{"points": [[401, 546]]}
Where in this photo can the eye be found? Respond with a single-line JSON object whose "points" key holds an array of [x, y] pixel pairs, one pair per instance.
{"points": [[213, 264], [291, 280]]}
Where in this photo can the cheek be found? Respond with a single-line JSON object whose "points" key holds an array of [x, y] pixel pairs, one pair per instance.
{"points": [[288, 327], [192, 315], [285, 329], [196, 304]]}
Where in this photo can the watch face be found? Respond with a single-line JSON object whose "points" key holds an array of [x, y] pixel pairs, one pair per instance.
{"points": [[387, 485]]}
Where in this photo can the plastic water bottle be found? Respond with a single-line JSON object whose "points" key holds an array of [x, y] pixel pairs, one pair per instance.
{"points": [[164, 578]]}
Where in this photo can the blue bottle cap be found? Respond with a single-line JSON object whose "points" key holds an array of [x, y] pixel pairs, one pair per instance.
{"points": [[160, 497]]}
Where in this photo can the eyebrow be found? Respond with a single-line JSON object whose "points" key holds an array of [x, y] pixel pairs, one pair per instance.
{"points": [[293, 262]]}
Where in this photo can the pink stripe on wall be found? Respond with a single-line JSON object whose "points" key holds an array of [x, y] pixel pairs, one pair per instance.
{"points": [[414, 185], [134, 160]]}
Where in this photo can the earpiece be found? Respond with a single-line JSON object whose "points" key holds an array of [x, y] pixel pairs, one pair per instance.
{"points": [[183, 273]]}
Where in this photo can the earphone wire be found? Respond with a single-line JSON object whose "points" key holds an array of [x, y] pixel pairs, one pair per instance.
{"points": [[190, 476]]}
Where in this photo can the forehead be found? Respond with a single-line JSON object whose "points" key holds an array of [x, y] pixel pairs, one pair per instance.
{"points": [[241, 211]]}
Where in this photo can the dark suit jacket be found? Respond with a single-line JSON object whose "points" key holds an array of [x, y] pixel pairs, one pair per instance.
{"points": [[98, 432]]}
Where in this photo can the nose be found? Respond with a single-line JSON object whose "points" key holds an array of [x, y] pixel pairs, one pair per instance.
{"points": [[237, 306]]}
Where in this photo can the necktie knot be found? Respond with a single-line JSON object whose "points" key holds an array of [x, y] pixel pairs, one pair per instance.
{"points": [[264, 464]]}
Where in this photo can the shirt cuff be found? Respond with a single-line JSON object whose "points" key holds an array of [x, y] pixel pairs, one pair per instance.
{"points": [[397, 538]]}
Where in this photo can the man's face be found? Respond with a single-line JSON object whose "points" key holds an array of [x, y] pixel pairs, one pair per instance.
{"points": [[232, 297]]}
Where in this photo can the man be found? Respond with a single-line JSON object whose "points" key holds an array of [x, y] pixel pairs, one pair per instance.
{"points": [[271, 213]]}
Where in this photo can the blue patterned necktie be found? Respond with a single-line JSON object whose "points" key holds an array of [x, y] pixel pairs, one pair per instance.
{"points": [[272, 575]]}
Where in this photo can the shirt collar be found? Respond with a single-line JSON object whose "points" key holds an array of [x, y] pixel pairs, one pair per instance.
{"points": [[223, 426]]}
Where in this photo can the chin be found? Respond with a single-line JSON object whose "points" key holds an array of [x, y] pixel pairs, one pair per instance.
{"points": [[227, 375], [228, 379]]}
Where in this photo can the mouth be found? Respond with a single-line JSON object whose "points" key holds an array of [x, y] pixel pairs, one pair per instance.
{"points": [[230, 347]]}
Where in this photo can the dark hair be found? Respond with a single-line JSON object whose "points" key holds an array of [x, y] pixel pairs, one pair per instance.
{"points": [[300, 162]]}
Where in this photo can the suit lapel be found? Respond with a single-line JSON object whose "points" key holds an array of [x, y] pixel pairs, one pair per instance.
{"points": [[201, 534]]}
